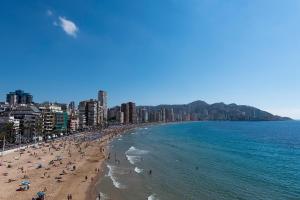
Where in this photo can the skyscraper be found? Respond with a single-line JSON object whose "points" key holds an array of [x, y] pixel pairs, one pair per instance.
{"points": [[92, 113], [132, 113], [82, 110], [102, 99], [125, 110]]}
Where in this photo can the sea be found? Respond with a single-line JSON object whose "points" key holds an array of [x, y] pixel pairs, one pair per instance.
{"points": [[205, 161]]}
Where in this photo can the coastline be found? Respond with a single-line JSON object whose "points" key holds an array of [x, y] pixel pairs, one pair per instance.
{"points": [[50, 166], [91, 192]]}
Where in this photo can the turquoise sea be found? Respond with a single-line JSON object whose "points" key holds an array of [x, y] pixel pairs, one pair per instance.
{"points": [[205, 161]]}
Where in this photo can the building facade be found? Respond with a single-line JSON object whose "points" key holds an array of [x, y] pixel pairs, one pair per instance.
{"points": [[19, 97]]}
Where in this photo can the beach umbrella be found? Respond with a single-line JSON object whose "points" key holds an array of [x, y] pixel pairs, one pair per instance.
{"points": [[40, 194], [25, 182]]}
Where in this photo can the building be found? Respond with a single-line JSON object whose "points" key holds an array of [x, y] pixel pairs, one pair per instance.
{"points": [[143, 116], [163, 115], [61, 121], [101, 116], [3, 107], [92, 113], [130, 114], [19, 97], [102, 99], [120, 117], [73, 123], [47, 119], [30, 120], [82, 115], [54, 119], [125, 110], [71, 107]]}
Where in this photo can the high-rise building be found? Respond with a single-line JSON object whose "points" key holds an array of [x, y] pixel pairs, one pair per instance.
{"points": [[82, 115], [19, 97], [132, 113], [143, 115], [73, 124], [125, 110], [102, 98], [71, 107], [53, 118], [163, 114], [92, 113], [30, 119], [120, 117]]}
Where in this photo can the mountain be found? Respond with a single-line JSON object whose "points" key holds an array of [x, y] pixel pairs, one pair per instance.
{"points": [[200, 110]]}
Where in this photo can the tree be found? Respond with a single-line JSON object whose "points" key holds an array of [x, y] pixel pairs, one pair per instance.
{"points": [[7, 131]]}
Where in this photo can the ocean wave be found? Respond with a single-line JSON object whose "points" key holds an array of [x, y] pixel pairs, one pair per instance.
{"points": [[110, 174], [133, 159], [134, 151], [138, 170], [152, 197]]}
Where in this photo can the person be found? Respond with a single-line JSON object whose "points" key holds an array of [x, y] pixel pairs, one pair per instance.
{"points": [[150, 172]]}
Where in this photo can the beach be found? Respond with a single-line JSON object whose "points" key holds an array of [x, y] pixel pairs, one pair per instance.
{"points": [[70, 165]]}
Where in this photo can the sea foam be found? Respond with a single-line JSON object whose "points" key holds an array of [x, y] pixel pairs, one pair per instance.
{"points": [[152, 197], [110, 174], [102, 196], [133, 159], [134, 151], [138, 170], [133, 154]]}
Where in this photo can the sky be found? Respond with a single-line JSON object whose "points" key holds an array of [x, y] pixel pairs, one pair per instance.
{"points": [[154, 51]]}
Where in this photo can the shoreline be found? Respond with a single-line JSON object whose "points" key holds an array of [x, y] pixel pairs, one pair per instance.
{"points": [[58, 168], [91, 192]]}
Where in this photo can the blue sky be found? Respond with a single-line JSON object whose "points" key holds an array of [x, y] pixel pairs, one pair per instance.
{"points": [[152, 52]]}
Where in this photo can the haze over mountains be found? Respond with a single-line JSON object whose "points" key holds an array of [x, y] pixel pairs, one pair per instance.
{"points": [[200, 110]]}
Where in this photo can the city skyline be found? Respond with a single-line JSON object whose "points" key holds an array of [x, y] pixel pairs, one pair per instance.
{"points": [[243, 52]]}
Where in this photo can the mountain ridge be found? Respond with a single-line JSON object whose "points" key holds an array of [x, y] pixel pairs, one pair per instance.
{"points": [[201, 110]]}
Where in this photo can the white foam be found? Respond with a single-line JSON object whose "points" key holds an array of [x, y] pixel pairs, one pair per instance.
{"points": [[111, 173], [152, 197], [102, 196], [138, 170], [134, 151], [133, 159], [133, 154]]}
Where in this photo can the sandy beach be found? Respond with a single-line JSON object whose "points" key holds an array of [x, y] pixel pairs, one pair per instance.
{"points": [[58, 168]]}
